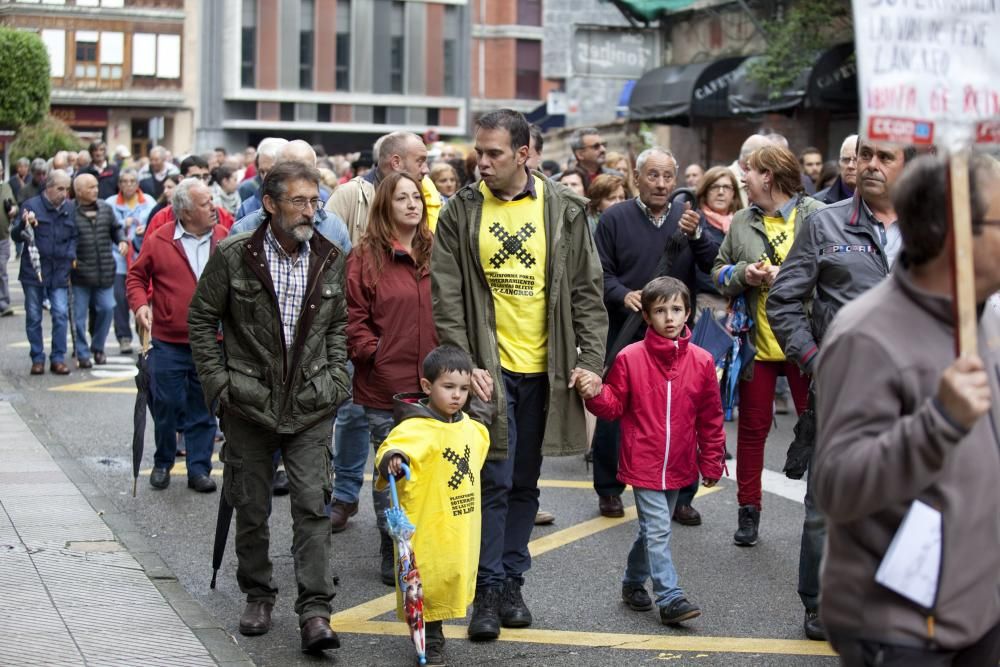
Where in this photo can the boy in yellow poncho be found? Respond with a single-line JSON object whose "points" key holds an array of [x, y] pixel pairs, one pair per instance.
{"points": [[445, 450]]}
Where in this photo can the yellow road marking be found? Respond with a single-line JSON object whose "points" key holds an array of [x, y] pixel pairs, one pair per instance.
{"points": [[100, 386], [665, 642]]}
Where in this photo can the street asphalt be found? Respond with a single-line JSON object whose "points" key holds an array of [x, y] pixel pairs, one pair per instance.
{"points": [[751, 611]]}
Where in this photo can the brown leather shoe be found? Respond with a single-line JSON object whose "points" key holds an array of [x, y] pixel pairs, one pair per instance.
{"points": [[687, 515], [340, 512], [37, 369], [611, 506], [59, 368], [317, 635], [256, 619], [84, 363]]}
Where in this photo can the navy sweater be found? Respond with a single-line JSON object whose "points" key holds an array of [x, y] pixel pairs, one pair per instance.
{"points": [[630, 247]]}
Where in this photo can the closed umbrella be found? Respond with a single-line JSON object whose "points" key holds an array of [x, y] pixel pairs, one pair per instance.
{"points": [[741, 353], [408, 575], [141, 403], [222, 522]]}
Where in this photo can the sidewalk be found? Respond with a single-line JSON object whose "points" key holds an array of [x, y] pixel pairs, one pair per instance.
{"points": [[72, 593]]}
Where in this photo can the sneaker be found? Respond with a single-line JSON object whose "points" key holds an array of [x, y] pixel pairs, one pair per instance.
{"points": [[513, 612], [678, 611], [749, 520], [125, 346], [813, 626], [485, 623], [636, 597], [434, 648]]}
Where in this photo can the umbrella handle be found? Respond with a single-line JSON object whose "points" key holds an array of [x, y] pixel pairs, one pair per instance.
{"points": [[392, 484]]}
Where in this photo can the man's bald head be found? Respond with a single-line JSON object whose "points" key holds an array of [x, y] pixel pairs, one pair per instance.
{"points": [[85, 188], [752, 143], [297, 151]]}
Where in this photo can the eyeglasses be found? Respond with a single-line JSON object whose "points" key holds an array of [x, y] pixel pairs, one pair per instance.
{"points": [[720, 187], [599, 144], [848, 160], [300, 203], [203, 177]]}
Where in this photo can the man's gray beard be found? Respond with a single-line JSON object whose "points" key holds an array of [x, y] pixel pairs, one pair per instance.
{"points": [[303, 234]]}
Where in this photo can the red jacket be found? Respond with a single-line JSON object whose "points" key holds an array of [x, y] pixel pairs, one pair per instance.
{"points": [[656, 378], [390, 327], [162, 269], [165, 216]]}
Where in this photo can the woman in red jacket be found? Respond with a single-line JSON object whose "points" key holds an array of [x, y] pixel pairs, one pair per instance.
{"points": [[390, 323]]}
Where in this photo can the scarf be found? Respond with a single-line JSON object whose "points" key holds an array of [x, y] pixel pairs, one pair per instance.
{"points": [[230, 202], [720, 221]]}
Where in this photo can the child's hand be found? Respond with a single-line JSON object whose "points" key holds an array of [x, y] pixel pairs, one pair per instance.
{"points": [[709, 483], [396, 465]]}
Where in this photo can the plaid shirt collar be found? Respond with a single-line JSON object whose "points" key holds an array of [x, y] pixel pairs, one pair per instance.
{"points": [[289, 277], [656, 220]]}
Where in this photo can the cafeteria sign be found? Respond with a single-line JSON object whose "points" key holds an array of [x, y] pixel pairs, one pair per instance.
{"points": [[927, 70]]}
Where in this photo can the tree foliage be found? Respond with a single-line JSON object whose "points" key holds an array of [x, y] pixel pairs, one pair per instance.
{"points": [[796, 37], [44, 139], [24, 78]]}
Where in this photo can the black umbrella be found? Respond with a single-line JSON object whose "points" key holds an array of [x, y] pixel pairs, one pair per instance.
{"points": [[222, 522], [141, 401]]}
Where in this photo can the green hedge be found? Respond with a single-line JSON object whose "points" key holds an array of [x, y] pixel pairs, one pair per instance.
{"points": [[24, 79]]}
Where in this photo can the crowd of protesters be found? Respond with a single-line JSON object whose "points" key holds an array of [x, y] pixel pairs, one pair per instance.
{"points": [[335, 276]]}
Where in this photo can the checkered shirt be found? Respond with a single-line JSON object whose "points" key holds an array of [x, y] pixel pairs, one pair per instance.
{"points": [[657, 220], [289, 277]]}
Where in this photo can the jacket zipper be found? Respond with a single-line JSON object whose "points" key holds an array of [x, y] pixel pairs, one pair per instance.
{"points": [[666, 444]]}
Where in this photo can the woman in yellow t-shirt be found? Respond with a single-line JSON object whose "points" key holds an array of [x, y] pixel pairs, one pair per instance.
{"points": [[758, 241]]}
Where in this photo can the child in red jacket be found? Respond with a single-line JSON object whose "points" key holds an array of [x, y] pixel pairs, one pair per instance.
{"points": [[665, 392]]}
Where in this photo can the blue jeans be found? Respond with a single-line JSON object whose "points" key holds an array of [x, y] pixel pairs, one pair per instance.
{"points": [[123, 325], [178, 404], [811, 549], [350, 451], [59, 312], [102, 300], [380, 422], [650, 556], [510, 487]]}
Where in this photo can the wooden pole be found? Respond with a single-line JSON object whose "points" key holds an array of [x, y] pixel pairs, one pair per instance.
{"points": [[964, 283]]}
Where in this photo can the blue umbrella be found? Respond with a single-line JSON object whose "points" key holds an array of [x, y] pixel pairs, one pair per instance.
{"points": [[741, 353], [408, 575]]}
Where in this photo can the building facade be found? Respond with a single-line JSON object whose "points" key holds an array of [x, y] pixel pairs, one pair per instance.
{"points": [[335, 72], [117, 67]]}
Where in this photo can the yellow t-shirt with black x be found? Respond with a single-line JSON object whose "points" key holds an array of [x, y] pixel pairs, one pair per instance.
{"points": [[780, 235], [512, 249]]}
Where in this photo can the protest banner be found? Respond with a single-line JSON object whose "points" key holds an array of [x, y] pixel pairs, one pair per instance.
{"points": [[927, 73]]}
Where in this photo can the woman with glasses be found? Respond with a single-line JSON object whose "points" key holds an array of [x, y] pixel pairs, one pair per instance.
{"points": [[759, 239], [717, 202], [390, 322]]}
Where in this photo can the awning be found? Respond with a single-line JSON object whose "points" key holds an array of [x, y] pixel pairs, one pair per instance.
{"points": [[677, 93], [649, 10], [830, 83]]}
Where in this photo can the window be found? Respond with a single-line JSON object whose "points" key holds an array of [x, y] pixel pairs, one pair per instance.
{"points": [[86, 55], [248, 45], [529, 12], [396, 48], [433, 117], [55, 44], [112, 54], [529, 69], [287, 111], [450, 52], [154, 55], [379, 115], [324, 113], [306, 47], [343, 45], [143, 54], [168, 56]]}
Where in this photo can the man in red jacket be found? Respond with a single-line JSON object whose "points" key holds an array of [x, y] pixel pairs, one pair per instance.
{"points": [[170, 263]]}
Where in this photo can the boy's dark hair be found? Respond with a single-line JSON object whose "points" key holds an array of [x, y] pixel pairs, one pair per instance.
{"points": [[664, 288], [445, 359]]}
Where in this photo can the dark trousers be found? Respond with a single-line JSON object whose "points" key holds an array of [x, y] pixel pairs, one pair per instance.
{"points": [[123, 326], [510, 487], [811, 549], [178, 405], [248, 455], [856, 652]]}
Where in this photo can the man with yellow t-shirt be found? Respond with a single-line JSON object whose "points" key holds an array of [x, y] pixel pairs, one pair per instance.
{"points": [[517, 283]]}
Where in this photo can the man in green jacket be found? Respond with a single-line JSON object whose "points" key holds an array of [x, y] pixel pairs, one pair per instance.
{"points": [[279, 294], [517, 283]]}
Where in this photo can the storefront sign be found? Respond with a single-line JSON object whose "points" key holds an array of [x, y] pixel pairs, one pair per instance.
{"points": [[623, 54]]}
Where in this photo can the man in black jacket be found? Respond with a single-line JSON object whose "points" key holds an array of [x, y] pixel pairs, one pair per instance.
{"points": [[631, 238], [93, 274]]}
